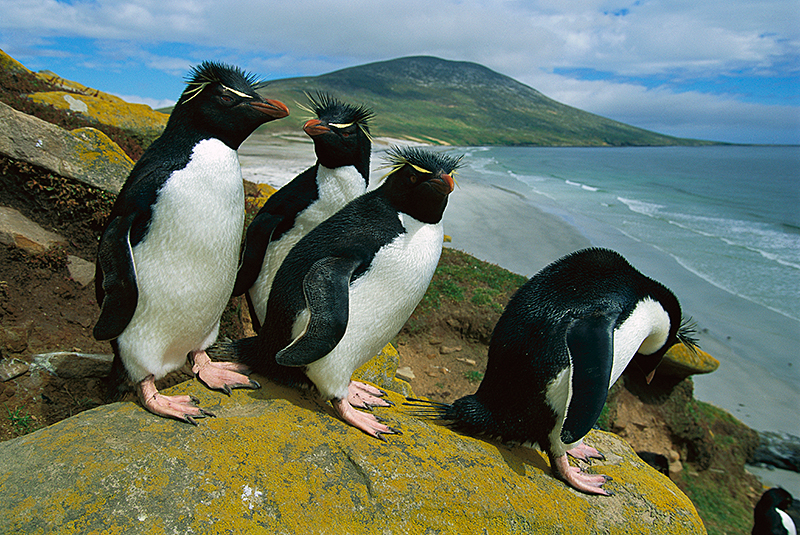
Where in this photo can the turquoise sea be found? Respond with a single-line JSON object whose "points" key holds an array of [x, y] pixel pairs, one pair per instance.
{"points": [[728, 214]]}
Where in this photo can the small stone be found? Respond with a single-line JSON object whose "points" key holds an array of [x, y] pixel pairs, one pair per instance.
{"points": [[405, 373], [11, 368], [72, 365], [15, 339], [81, 271], [21, 232], [467, 361], [447, 350]]}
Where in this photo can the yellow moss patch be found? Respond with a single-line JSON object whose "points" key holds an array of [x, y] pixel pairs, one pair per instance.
{"points": [[107, 109], [7, 63], [683, 361]]}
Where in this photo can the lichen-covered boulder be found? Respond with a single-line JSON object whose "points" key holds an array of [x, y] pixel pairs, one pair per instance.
{"points": [[102, 107], [681, 361], [83, 154], [276, 460]]}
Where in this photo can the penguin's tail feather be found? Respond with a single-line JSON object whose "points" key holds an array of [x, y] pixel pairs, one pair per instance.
{"points": [[427, 409], [244, 350]]}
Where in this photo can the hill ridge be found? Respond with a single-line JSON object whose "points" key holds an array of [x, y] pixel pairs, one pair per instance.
{"points": [[463, 103]]}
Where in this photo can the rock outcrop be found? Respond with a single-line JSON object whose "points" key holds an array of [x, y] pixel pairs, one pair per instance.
{"points": [[277, 460], [21, 232], [83, 154], [681, 362], [102, 107]]}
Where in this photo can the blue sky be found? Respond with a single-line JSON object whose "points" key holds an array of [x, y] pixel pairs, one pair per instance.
{"points": [[722, 70]]}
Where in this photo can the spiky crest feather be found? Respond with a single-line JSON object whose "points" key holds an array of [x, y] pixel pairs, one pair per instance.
{"points": [[211, 72], [322, 103], [423, 161]]}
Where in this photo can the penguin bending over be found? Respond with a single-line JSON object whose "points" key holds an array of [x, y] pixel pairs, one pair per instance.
{"points": [[565, 337], [350, 285], [770, 514], [167, 258], [343, 146]]}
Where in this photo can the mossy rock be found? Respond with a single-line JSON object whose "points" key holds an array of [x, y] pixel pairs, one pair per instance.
{"points": [[107, 109], [682, 361], [276, 460]]}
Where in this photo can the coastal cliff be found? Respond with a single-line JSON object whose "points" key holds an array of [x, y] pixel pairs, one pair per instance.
{"points": [[47, 310]]}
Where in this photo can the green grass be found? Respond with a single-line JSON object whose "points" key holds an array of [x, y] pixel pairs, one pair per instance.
{"points": [[22, 423]]}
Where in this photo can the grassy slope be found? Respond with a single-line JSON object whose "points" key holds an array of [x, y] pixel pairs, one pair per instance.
{"points": [[460, 103]]}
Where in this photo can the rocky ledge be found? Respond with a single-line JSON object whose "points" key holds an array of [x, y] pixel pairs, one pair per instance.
{"points": [[276, 459]]}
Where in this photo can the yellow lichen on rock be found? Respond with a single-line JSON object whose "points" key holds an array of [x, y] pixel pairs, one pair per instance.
{"points": [[278, 460], [7, 63], [107, 109], [683, 361]]}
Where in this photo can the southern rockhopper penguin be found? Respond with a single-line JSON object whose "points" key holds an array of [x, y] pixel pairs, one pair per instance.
{"points": [[770, 516], [350, 285], [168, 255], [343, 146], [563, 340]]}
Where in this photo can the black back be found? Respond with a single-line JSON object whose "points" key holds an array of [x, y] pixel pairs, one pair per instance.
{"points": [[529, 343]]}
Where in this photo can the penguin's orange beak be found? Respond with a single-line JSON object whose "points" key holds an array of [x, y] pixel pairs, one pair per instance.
{"points": [[273, 108], [443, 184], [314, 127]]}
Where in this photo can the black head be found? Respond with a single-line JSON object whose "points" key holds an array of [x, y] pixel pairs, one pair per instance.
{"points": [[221, 101], [420, 181], [340, 132]]}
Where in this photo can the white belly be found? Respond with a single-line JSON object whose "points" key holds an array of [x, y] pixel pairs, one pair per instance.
{"points": [[381, 301], [186, 265], [337, 187]]}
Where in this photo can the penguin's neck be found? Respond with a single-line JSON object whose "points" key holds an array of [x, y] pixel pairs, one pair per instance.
{"points": [[340, 185], [645, 331]]}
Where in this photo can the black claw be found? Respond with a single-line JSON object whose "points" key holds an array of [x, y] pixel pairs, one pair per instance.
{"points": [[226, 389], [208, 413], [254, 384], [381, 420], [389, 402], [380, 437], [189, 420], [395, 431], [194, 400]]}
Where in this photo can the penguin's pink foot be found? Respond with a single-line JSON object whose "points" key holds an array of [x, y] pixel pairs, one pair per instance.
{"points": [[182, 408], [584, 452], [366, 396], [575, 478], [368, 423], [221, 375]]}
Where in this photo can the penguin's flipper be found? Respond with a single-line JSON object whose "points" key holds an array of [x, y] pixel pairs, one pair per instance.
{"points": [[115, 259], [590, 341], [326, 287], [257, 238]]}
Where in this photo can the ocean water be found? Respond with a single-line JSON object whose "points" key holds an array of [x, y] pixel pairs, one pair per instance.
{"points": [[728, 214]]}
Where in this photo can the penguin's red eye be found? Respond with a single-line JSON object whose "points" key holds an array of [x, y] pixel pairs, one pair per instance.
{"points": [[226, 99], [413, 179]]}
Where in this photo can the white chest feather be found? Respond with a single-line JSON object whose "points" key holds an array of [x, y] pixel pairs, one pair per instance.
{"points": [[787, 522], [337, 187], [186, 264], [645, 331], [381, 301]]}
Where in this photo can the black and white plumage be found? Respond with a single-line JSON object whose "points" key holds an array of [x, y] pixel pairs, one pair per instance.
{"points": [[351, 284], [168, 254], [563, 340], [343, 146], [770, 516]]}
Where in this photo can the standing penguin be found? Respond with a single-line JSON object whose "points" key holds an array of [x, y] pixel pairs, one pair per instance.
{"points": [[770, 514], [343, 146], [563, 340], [168, 255], [350, 285]]}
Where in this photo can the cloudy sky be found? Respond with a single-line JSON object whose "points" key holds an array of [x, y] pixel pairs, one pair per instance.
{"points": [[726, 70]]}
